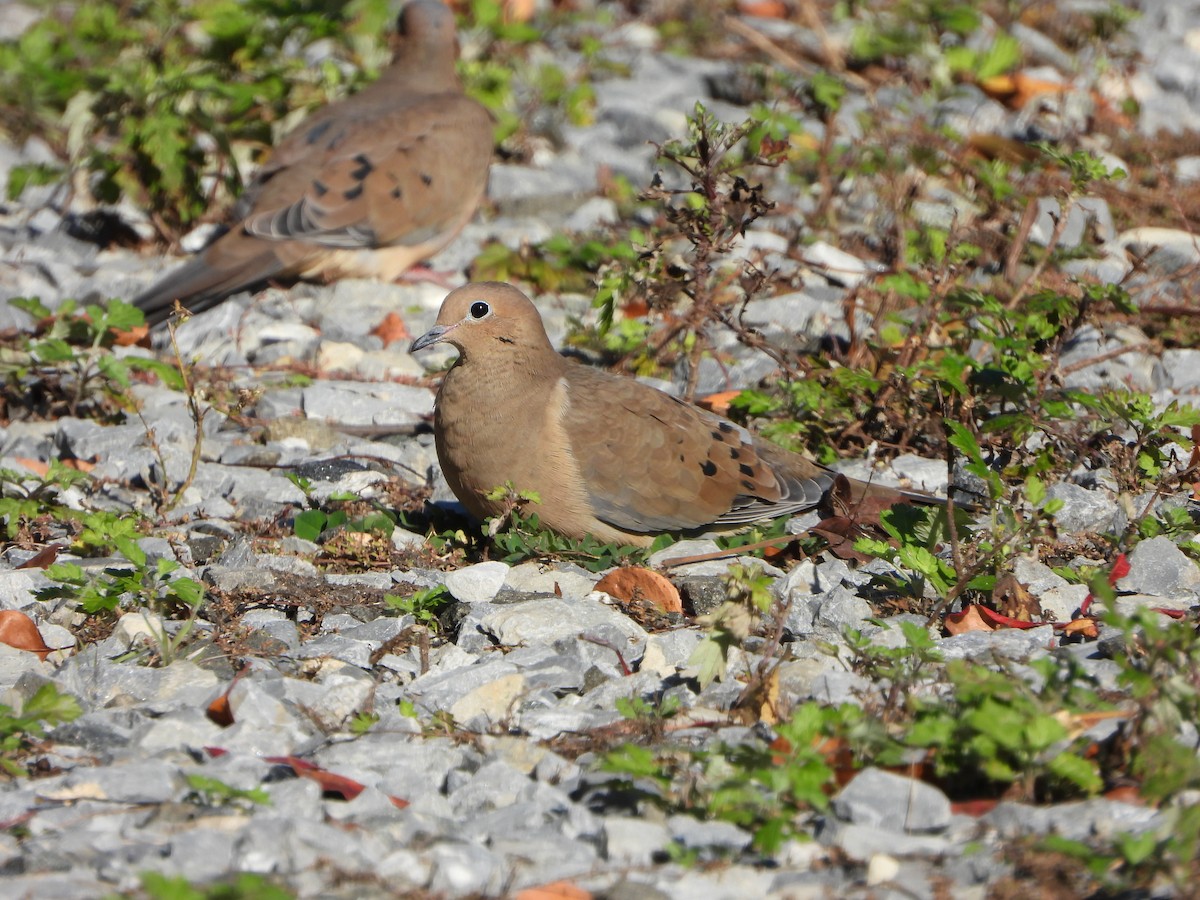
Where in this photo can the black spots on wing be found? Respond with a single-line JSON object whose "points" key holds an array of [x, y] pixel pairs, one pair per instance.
{"points": [[735, 453], [427, 180], [317, 131], [717, 436], [354, 193], [364, 169], [709, 468], [320, 189], [746, 470], [748, 485], [682, 458], [726, 427], [397, 193]]}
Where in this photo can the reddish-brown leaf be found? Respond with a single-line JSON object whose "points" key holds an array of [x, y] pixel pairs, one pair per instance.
{"points": [[43, 559], [632, 583], [1171, 613], [974, 808], [1126, 793], [840, 532], [219, 711], [338, 785], [20, 631], [391, 329]]}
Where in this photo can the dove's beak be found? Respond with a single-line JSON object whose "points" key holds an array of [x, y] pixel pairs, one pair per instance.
{"points": [[429, 338]]}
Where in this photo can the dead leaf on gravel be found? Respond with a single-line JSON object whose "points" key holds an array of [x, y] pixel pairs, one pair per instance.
{"points": [[556, 890], [632, 583], [43, 559], [19, 631], [967, 620], [391, 329]]}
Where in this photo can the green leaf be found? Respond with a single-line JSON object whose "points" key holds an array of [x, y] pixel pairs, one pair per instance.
{"points": [[309, 524], [1078, 771]]}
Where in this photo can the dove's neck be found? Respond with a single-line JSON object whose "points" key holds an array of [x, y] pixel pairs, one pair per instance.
{"points": [[423, 73]]}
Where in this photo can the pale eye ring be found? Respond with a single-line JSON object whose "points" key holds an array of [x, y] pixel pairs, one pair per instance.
{"points": [[479, 309]]}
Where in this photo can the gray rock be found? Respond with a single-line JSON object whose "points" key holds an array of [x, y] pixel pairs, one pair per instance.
{"points": [[634, 842], [478, 583], [879, 799], [698, 835], [1083, 510], [1158, 567], [367, 403]]}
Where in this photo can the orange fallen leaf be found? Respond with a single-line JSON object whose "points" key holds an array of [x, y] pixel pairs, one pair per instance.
{"points": [[632, 583], [1082, 627], [219, 712], [130, 337], [1016, 90], [763, 9], [36, 466], [556, 890], [391, 329], [19, 631], [79, 465], [718, 402], [969, 619]]}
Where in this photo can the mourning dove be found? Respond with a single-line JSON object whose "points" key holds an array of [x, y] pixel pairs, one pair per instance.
{"points": [[365, 187], [606, 455]]}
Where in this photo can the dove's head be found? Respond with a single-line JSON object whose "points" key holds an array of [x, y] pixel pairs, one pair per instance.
{"points": [[425, 37], [486, 318]]}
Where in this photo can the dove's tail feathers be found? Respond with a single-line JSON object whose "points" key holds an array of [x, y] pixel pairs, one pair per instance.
{"points": [[199, 285]]}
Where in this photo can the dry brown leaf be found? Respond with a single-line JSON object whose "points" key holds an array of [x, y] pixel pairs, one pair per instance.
{"points": [[967, 620], [768, 709], [997, 147], [632, 583], [131, 337], [391, 329], [840, 533], [1011, 598], [1084, 627], [19, 631], [43, 559]]}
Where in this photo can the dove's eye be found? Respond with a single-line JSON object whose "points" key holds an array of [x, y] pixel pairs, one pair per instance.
{"points": [[479, 309]]}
